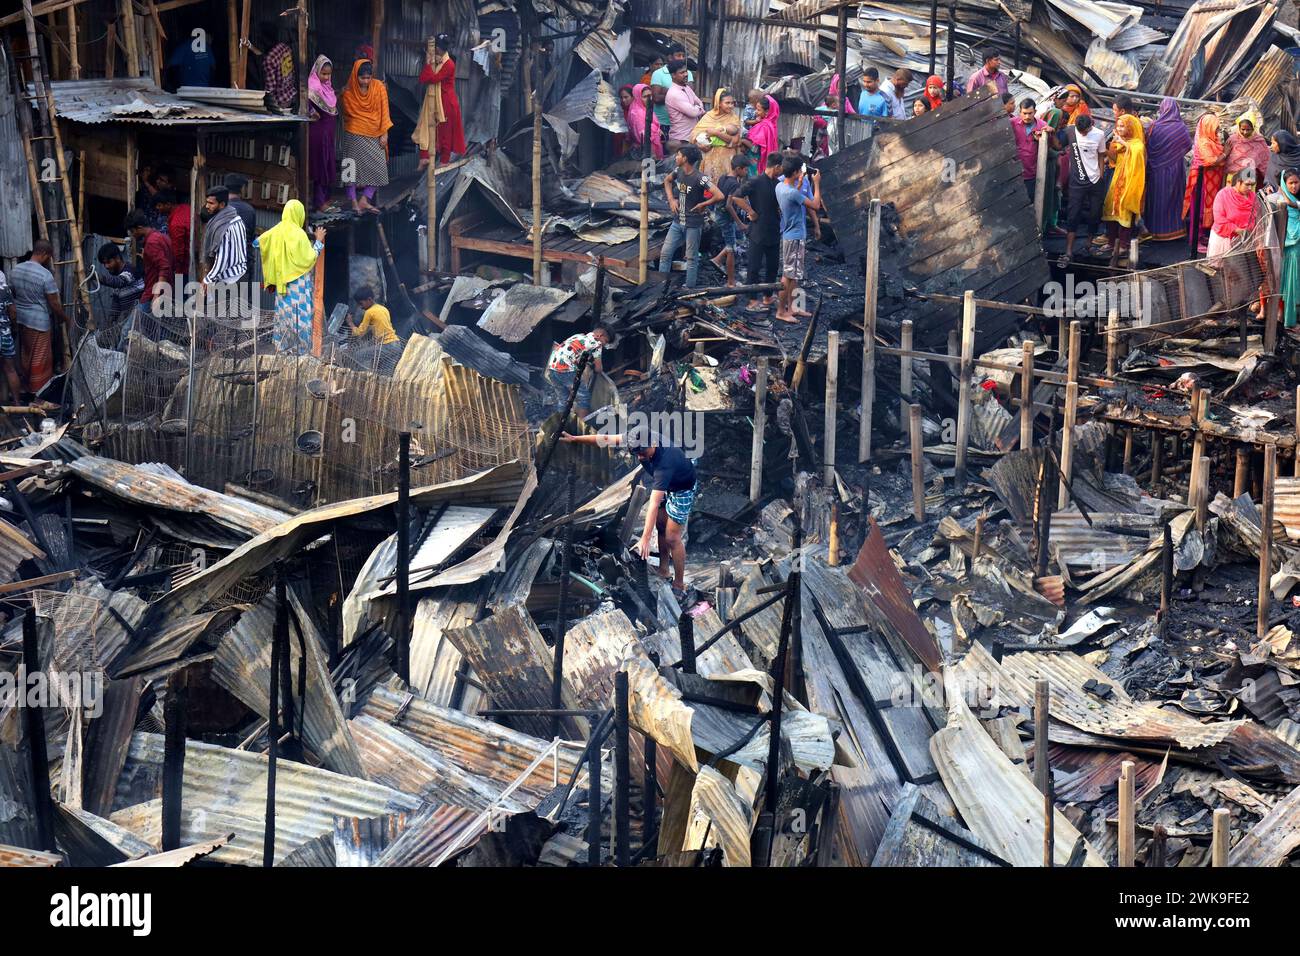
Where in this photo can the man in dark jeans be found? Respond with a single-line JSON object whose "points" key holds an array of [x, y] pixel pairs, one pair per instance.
{"points": [[757, 197]]}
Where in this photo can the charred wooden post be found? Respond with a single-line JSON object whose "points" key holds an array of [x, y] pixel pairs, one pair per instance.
{"points": [[1159, 844], [905, 387], [538, 278], [403, 635], [562, 616], [832, 405], [934, 35], [1203, 494], [1221, 837], [1241, 471], [34, 724], [979, 540], [1166, 577], [1128, 451], [650, 790], [431, 199], [1266, 541], [1198, 401], [1297, 431], [918, 463], [593, 797], [279, 647], [833, 546], [622, 774], [686, 635], [760, 424], [869, 330], [952, 48], [1157, 457], [964, 383], [1043, 769], [1042, 504], [173, 760], [1026, 395], [1127, 825]]}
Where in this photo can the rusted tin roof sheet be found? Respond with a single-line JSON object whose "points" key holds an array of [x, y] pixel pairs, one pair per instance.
{"points": [[876, 574]]}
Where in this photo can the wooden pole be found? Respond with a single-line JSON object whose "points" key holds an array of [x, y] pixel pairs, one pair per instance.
{"points": [[833, 550], [1128, 451], [1133, 253], [1266, 542], [1026, 395], [643, 252], [232, 44], [1221, 838], [1198, 446], [841, 67], [963, 386], [1242, 470], [376, 30], [1071, 411], [918, 463], [1042, 767], [1203, 494], [1157, 457], [1297, 431], [1112, 341], [905, 372], [760, 423], [832, 401], [245, 27], [538, 278], [1040, 182], [75, 68], [869, 330], [1166, 576], [979, 538], [1127, 828]]}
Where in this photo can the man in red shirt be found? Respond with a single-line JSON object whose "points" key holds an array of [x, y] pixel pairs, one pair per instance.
{"points": [[159, 264], [177, 217]]}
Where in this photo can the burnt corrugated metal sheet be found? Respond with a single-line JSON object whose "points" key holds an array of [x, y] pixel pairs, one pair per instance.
{"points": [[876, 574], [513, 315], [15, 548], [361, 842], [242, 666], [170, 859], [481, 747], [15, 191], [16, 856], [469, 349], [429, 836], [224, 791], [137, 100]]}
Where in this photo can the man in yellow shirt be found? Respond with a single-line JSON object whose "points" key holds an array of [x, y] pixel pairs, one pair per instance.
{"points": [[375, 318]]}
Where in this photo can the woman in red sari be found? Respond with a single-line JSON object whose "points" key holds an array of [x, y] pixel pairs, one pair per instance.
{"points": [[441, 108], [1203, 181]]}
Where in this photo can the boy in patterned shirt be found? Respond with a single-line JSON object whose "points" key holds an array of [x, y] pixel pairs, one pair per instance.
{"points": [[562, 367]]}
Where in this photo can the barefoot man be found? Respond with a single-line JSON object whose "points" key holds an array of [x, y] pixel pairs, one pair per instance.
{"points": [[794, 233], [672, 480]]}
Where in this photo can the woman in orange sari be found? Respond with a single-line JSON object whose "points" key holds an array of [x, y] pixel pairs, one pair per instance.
{"points": [[1203, 181], [1127, 185], [365, 136]]}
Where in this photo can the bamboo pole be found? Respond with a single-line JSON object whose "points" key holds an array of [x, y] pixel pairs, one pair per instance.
{"points": [[1026, 395], [1221, 837], [1157, 457], [1040, 183], [869, 330], [964, 383], [833, 549], [1199, 400], [832, 400], [918, 463], [1203, 494], [132, 47], [905, 372], [1112, 341], [643, 250], [1266, 542], [75, 67], [760, 423], [1241, 471], [232, 41], [1127, 827], [1128, 451], [1071, 412], [245, 27]]}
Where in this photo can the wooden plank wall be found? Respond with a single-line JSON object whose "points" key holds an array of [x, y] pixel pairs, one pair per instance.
{"points": [[952, 183]]}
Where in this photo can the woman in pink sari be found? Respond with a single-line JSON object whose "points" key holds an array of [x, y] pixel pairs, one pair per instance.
{"points": [[763, 134], [1234, 216], [1247, 148], [635, 116]]}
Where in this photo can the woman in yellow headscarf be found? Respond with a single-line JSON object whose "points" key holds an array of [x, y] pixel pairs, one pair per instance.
{"points": [[718, 133], [288, 262], [1123, 202]]}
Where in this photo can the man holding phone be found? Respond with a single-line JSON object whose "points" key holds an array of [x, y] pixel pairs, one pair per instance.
{"points": [[794, 233]]}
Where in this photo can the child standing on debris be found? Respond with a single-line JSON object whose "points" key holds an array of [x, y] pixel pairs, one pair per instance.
{"points": [[375, 318], [726, 219], [794, 234], [562, 368], [672, 480]]}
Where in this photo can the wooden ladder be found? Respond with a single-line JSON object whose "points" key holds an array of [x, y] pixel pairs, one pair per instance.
{"points": [[45, 138]]}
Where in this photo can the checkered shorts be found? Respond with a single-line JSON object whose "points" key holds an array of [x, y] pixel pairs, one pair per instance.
{"points": [[678, 505]]}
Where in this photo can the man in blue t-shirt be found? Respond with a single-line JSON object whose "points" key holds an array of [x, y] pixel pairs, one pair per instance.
{"points": [[672, 479], [872, 102], [793, 202]]}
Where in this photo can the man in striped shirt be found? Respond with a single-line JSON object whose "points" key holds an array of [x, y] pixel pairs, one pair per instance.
{"points": [[225, 241]]}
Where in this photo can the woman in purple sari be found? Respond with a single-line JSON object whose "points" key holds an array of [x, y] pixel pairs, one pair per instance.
{"points": [[323, 110], [1167, 144]]}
